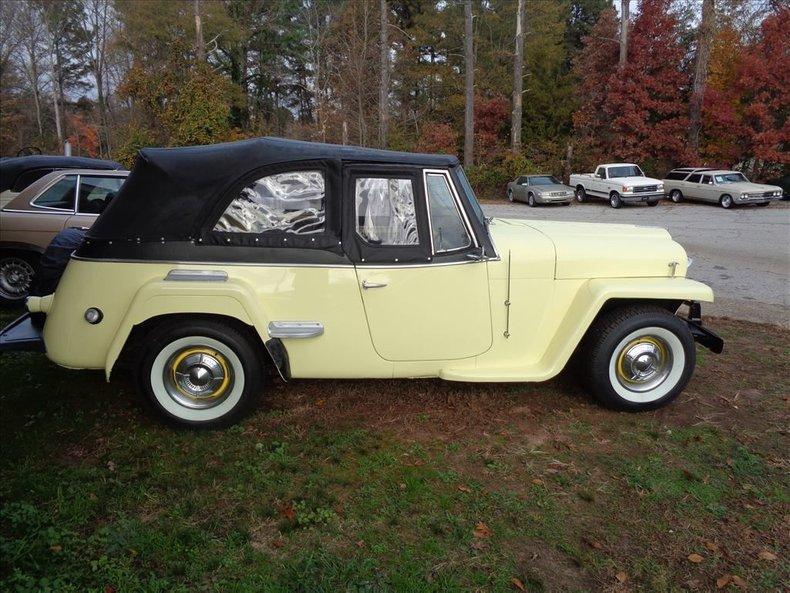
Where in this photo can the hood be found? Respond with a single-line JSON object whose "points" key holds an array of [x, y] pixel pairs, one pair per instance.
{"points": [[553, 187], [637, 181], [593, 250], [748, 187]]}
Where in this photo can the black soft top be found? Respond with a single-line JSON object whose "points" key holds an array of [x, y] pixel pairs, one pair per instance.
{"points": [[170, 190], [12, 167]]}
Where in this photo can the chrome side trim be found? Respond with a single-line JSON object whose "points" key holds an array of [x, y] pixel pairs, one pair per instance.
{"points": [[197, 276], [295, 329]]}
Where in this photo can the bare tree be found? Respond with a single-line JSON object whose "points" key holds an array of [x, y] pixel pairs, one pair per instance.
{"points": [[98, 14], [705, 35], [518, 80], [200, 44], [32, 33], [384, 79], [624, 16], [469, 66]]}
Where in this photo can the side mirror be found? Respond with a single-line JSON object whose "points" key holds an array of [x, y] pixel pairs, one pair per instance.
{"points": [[597, 176]]}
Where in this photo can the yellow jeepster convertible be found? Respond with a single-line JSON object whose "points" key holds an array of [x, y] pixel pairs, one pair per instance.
{"points": [[326, 261]]}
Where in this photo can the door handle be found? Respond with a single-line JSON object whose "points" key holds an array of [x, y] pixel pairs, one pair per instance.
{"points": [[366, 284]]}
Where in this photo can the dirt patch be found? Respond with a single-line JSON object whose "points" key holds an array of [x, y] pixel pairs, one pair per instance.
{"points": [[555, 571]]}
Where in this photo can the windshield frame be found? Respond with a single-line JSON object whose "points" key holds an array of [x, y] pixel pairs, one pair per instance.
{"points": [[610, 171], [551, 180], [721, 178]]}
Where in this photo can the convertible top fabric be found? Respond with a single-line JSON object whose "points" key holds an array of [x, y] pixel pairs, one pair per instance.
{"points": [[13, 167], [172, 192]]}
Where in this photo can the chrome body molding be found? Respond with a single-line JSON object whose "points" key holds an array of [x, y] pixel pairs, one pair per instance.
{"points": [[197, 276], [295, 329]]}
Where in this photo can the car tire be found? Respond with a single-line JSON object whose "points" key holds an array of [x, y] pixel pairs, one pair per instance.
{"points": [[763, 204], [200, 374], [676, 196], [510, 195], [531, 200], [614, 200], [17, 271], [726, 201], [581, 195], [638, 358], [652, 203]]}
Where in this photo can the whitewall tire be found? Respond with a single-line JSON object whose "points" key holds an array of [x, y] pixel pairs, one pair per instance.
{"points": [[638, 358], [201, 374]]}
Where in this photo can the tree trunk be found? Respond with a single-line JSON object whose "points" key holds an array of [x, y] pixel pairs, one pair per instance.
{"points": [[469, 64], [200, 44], [624, 16], [58, 126], [704, 41], [36, 95], [568, 159], [518, 80], [384, 80]]}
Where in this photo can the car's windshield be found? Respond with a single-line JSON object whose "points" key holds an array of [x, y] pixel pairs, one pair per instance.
{"points": [[543, 180], [731, 178], [625, 171], [470, 194]]}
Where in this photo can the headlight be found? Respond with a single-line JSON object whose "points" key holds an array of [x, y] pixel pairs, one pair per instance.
{"points": [[777, 193], [744, 195], [627, 189], [660, 187], [539, 194]]}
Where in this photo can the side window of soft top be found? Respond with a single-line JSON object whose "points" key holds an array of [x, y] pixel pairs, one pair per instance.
{"points": [[291, 202]]}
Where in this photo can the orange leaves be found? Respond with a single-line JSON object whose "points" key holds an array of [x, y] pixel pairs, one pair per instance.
{"points": [[695, 558], [481, 530]]}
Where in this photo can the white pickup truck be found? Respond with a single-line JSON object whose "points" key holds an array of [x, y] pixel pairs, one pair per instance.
{"points": [[619, 183]]}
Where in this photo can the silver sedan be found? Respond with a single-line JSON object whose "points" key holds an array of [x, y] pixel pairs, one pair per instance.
{"points": [[539, 189]]}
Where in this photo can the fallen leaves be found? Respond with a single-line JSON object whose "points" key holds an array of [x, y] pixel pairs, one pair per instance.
{"points": [[621, 576], [518, 584], [463, 488], [730, 579], [481, 530], [288, 511], [711, 546], [766, 555], [695, 558]]}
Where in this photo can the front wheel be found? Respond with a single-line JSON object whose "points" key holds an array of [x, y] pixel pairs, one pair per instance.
{"points": [[531, 200], [200, 373], [510, 195], [581, 195], [638, 358], [653, 203], [726, 201], [614, 200]]}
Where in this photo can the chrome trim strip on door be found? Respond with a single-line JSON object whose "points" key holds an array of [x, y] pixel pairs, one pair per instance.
{"points": [[197, 276], [295, 329]]}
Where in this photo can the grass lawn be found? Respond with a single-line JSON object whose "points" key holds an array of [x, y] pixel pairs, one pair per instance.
{"points": [[402, 485]]}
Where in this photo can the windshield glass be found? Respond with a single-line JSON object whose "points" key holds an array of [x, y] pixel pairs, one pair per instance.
{"points": [[543, 180], [470, 194], [731, 178], [625, 171]]}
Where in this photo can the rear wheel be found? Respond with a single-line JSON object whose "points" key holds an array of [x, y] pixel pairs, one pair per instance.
{"points": [[510, 195], [201, 373], [726, 201], [614, 200], [676, 195], [531, 200], [16, 277], [638, 358]]}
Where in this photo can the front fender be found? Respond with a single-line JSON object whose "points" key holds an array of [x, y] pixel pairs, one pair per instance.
{"points": [[232, 298]]}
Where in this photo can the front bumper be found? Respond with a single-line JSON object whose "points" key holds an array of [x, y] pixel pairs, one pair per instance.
{"points": [[553, 199], [21, 334], [645, 197], [755, 199], [702, 335]]}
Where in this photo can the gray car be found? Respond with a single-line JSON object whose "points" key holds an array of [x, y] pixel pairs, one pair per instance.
{"points": [[719, 186], [539, 189]]}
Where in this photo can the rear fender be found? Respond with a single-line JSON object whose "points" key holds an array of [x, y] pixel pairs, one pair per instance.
{"points": [[232, 298]]}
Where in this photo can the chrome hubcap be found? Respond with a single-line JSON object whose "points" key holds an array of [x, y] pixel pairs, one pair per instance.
{"points": [[15, 277], [644, 363], [198, 377]]}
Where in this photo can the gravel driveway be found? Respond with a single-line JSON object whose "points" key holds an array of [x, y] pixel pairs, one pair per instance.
{"points": [[744, 253]]}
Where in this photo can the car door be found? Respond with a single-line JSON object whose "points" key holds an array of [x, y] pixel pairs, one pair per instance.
{"points": [[48, 213], [423, 285], [708, 191], [599, 181], [693, 187]]}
